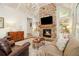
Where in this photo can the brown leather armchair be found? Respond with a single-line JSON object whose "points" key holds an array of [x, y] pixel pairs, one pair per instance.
{"points": [[7, 50]]}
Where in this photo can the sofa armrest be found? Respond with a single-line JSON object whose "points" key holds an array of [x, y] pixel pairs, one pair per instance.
{"points": [[72, 48], [19, 50]]}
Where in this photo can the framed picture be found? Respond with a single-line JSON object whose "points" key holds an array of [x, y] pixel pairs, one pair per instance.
{"points": [[1, 22]]}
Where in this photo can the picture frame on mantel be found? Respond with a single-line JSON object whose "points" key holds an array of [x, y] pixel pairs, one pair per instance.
{"points": [[1, 22]]}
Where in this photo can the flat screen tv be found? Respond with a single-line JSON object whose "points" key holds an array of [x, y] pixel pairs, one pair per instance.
{"points": [[46, 20]]}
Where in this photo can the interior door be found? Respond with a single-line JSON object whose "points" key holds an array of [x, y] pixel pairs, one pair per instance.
{"points": [[29, 26]]}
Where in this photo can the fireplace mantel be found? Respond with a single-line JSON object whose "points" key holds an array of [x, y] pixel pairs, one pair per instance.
{"points": [[47, 26]]}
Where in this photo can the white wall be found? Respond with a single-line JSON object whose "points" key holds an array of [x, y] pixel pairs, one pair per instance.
{"points": [[14, 20]]}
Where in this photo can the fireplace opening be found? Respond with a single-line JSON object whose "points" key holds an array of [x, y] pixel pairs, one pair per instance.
{"points": [[47, 33]]}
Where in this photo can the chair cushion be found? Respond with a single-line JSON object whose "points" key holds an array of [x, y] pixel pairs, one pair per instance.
{"points": [[49, 50], [72, 48], [4, 46]]}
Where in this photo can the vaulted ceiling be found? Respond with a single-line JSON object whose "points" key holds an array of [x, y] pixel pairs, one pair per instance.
{"points": [[27, 8], [30, 8]]}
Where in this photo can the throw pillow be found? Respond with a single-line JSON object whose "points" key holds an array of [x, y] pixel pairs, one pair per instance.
{"points": [[62, 41]]}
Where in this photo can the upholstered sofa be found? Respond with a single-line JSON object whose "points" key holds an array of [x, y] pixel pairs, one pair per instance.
{"points": [[71, 49]]}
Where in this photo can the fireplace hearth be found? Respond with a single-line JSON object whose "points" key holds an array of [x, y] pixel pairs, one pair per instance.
{"points": [[47, 33]]}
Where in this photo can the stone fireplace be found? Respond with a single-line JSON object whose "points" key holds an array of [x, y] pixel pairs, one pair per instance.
{"points": [[47, 33]]}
